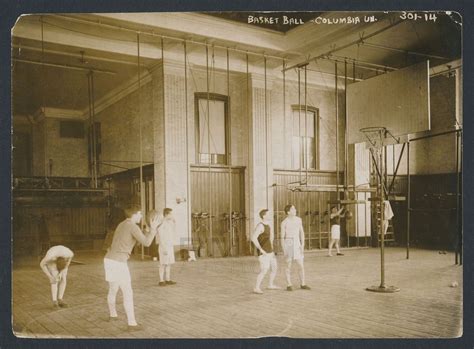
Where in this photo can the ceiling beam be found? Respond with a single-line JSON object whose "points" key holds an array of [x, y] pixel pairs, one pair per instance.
{"points": [[21, 47], [412, 53], [30, 28], [349, 44], [202, 27], [64, 66]]}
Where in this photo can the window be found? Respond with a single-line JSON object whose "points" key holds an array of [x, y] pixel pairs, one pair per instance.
{"points": [[71, 129], [211, 135], [304, 137]]}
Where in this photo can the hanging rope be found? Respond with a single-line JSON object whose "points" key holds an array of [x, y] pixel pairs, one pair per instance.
{"points": [[43, 75], [140, 121], [306, 163], [188, 169], [164, 117], [248, 143], [91, 152], [265, 109], [308, 195], [209, 157], [284, 106], [346, 148], [337, 131], [229, 162], [299, 124], [142, 191], [94, 134]]}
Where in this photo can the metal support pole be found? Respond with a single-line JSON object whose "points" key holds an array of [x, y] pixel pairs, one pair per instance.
{"points": [[458, 247], [277, 231], [395, 172], [382, 158], [382, 288], [308, 200], [356, 219], [320, 208], [408, 200], [365, 219]]}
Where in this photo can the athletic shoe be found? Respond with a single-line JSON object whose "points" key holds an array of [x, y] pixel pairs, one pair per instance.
{"points": [[62, 304], [113, 318], [257, 291], [305, 287], [162, 283], [289, 288], [329, 255], [273, 287], [340, 254], [56, 305], [169, 282], [134, 328]]}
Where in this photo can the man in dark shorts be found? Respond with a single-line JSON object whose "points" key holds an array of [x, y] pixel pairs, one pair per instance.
{"points": [[263, 240]]}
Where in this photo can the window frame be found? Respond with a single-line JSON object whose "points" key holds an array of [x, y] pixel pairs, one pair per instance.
{"points": [[212, 97], [316, 147]]}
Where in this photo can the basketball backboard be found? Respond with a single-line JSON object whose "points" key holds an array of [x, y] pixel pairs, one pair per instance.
{"points": [[398, 101]]}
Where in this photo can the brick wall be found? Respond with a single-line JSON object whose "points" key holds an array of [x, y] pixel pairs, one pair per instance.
{"points": [[317, 97], [121, 132], [69, 155]]}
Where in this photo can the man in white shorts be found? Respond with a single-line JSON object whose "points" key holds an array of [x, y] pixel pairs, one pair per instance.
{"points": [[117, 274], [165, 241], [335, 218], [55, 265], [292, 235], [263, 240]]}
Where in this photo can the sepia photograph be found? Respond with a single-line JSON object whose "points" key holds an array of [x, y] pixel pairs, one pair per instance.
{"points": [[237, 175]]}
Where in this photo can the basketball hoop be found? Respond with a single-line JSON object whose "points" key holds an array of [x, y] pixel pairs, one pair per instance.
{"points": [[375, 142], [375, 136]]}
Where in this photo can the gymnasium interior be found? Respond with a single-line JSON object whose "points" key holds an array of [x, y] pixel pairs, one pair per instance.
{"points": [[219, 115]]}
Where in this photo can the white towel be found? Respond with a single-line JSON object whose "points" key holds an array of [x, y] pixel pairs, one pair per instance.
{"points": [[387, 215]]}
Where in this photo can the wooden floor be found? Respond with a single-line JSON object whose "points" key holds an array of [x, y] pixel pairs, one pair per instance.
{"points": [[213, 298]]}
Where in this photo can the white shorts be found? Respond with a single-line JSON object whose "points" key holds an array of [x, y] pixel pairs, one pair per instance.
{"points": [[335, 232], [116, 271], [166, 258], [292, 250], [267, 260], [53, 269]]}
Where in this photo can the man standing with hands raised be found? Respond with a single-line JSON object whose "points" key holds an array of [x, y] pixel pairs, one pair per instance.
{"points": [[117, 274]]}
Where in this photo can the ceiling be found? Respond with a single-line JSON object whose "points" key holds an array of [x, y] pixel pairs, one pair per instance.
{"points": [[53, 72]]}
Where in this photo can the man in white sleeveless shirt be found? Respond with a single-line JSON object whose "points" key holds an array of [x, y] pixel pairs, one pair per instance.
{"points": [[292, 235], [55, 265]]}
